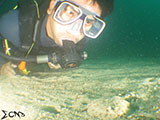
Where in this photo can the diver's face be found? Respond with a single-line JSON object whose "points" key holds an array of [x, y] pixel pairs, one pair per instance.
{"points": [[59, 32]]}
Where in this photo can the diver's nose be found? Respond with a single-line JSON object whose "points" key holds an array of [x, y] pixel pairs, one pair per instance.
{"points": [[76, 27]]}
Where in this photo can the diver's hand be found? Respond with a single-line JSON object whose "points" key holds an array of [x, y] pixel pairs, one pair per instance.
{"points": [[53, 66], [8, 69]]}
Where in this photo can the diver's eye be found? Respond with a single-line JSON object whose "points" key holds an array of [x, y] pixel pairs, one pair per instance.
{"points": [[89, 22], [69, 13]]}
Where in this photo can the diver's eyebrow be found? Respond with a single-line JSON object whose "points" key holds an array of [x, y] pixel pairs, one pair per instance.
{"points": [[85, 11], [90, 20], [88, 12]]}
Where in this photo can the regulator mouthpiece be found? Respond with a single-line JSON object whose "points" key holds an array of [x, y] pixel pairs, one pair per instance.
{"points": [[70, 58]]}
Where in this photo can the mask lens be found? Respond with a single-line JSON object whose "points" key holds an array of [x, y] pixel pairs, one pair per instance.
{"points": [[67, 13], [93, 26]]}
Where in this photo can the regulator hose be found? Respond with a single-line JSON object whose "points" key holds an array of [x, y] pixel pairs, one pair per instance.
{"points": [[29, 59]]}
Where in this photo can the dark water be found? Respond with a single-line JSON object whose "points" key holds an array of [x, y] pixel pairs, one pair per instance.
{"points": [[133, 30], [6, 5]]}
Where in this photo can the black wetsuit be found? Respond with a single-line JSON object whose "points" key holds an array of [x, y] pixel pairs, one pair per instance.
{"points": [[18, 27]]}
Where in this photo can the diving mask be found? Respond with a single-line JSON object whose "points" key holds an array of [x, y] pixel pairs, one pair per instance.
{"points": [[68, 12]]}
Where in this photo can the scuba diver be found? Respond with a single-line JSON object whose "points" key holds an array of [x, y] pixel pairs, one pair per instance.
{"points": [[50, 31]]}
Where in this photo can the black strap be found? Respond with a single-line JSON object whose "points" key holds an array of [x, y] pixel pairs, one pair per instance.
{"points": [[28, 18]]}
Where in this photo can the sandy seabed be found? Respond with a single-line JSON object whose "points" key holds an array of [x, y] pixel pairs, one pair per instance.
{"points": [[102, 89]]}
